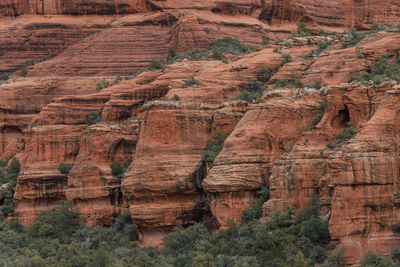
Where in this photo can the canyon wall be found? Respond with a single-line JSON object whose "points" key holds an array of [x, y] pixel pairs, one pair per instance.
{"points": [[63, 62]]}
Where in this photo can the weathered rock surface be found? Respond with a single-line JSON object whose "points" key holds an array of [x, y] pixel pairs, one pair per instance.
{"points": [[167, 191], [44, 110]]}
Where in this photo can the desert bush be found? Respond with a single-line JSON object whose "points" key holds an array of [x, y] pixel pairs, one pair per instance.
{"points": [[191, 82], [155, 64], [65, 168], [94, 117], [214, 146]]}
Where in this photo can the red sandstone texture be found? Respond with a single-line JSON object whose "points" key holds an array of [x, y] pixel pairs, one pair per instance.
{"points": [[44, 110]]}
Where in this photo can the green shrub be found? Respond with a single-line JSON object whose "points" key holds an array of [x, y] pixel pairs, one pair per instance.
{"points": [[286, 58], [263, 73], [176, 98], [396, 254], [355, 37], [191, 82], [252, 92], [172, 52], [3, 164], [5, 77], [217, 55], [281, 84], [94, 117], [295, 83], [382, 69], [59, 223], [265, 42], [317, 118], [65, 168], [116, 168], [372, 259], [254, 210], [155, 64], [301, 31], [348, 133], [215, 50], [214, 146], [330, 145]]}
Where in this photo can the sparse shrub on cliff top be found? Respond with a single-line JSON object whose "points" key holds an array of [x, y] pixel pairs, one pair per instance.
{"points": [[263, 73], [253, 92], [301, 31], [215, 50], [380, 70], [155, 64], [214, 146], [295, 83], [191, 82], [65, 168], [286, 58]]}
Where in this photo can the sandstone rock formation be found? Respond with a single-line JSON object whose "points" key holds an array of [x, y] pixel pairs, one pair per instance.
{"points": [[60, 69]]}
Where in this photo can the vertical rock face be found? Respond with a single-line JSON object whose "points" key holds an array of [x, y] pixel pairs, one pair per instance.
{"points": [[244, 165], [163, 184], [85, 7], [347, 178], [92, 187], [346, 13], [61, 68], [40, 184]]}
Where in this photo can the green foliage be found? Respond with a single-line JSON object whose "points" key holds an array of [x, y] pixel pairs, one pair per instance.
{"points": [[372, 259], [330, 145], [65, 168], [317, 118], [252, 92], [172, 52], [119, 170], [355, 37], [5, 77], [116, 168], [336, 258], [174, 98], [263, 73], [254, 210], [191, 82], [58, 223], [10, 178], [214, 146], [301, 31], [396, 254], [286, 58], [348, 133], [94, 117], [56, 239], [155, 64], [295, 83], [103, 84], [265, 42], [382, 69], [3, 163], [215, 50]]}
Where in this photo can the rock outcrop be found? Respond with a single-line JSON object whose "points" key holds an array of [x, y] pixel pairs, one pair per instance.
{"points": [[74, 90]]}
